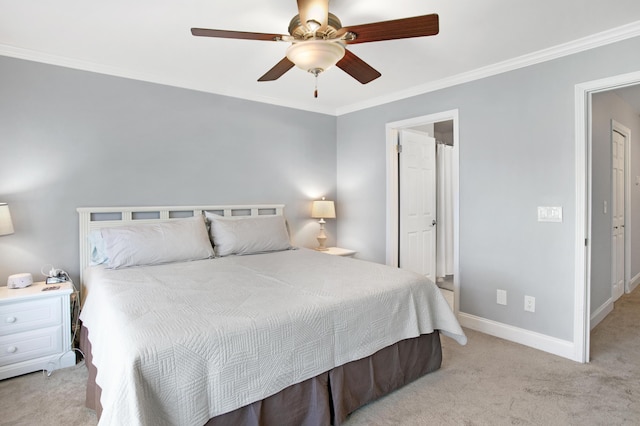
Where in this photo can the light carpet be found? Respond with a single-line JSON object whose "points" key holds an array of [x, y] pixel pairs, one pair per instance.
{"points": [[488, 382]]}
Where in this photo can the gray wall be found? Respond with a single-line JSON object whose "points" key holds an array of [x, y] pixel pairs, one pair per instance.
{"points": [[71, 138], [517, 152], [605, 107]]}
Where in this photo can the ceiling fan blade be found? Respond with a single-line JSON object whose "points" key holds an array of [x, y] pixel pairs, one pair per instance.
{"points": [[418, 26], [357, 68], [278, 70], [314, 10], [204, 32]]}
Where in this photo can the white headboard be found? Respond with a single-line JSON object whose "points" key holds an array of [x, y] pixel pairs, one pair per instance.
{"points": [[92, 218]]}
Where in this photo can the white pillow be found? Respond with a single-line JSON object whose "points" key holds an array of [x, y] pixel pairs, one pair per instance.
{"points": [[96, 244], [247, 235], [177, 240]]}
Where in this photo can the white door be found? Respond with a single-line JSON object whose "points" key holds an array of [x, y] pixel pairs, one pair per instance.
{"points": [[418, 203], [617, 213]]}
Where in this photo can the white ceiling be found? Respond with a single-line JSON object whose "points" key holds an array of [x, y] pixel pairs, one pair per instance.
{"points": [[150, 40]]}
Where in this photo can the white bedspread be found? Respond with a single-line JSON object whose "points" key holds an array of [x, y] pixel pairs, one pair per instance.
{"points": [[181, 343]]}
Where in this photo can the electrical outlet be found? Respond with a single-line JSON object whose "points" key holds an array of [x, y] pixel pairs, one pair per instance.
{"points": [[501, 297], [529, 303]]}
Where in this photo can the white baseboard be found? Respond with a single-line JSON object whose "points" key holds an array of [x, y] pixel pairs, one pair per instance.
{"points": [[634, 283], [553, 345], [604, 310]]}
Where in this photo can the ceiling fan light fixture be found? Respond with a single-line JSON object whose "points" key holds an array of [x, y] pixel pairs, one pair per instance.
{"points": [[315, 55]]}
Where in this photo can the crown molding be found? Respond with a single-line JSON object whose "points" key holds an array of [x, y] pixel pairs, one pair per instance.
{"points": [[586, 43]]}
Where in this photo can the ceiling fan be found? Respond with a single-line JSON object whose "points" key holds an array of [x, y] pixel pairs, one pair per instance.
{"points": [[318, 40]]}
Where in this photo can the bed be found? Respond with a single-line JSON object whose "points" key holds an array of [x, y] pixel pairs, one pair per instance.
{"points": [[197, 315]]}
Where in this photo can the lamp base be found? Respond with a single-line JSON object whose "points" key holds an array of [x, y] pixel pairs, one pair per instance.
{"points": [[322, 239]]}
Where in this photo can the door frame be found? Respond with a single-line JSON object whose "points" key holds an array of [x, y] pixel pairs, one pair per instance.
{"points": [[393, 196], [583, 193]]}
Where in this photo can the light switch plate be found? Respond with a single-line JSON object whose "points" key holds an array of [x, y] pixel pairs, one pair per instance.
{"points": [[549, 214]]}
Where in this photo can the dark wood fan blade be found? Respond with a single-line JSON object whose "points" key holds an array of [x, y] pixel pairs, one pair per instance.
{"points": [[204, 32], [278, 70], [418, 26], [357, 68]]}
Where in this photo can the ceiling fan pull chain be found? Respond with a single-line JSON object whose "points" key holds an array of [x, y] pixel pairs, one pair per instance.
{"points": [[315, 92]]}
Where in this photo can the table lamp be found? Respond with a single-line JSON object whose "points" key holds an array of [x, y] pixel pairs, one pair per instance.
{"points": [[6, 226], [322, 210]]}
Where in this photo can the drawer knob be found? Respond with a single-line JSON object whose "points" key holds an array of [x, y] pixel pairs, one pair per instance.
{"points": [[11, 320], [12, 349]]}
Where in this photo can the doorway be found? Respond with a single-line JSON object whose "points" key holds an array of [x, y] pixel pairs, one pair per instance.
{"points": [[402, 238], [589, 209]]}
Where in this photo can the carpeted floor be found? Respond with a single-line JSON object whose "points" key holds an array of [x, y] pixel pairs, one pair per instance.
{"points": [[488, 382]]}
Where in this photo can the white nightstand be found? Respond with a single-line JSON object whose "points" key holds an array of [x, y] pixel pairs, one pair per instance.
{"points": [[35, 329], [337, 251]]}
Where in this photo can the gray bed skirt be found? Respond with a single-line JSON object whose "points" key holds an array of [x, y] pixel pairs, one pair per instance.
{"points": [[328, 398]]}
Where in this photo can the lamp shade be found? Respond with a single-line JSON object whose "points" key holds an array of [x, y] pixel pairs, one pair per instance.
{"points": [[6, 226], [323, 209], [315, 55]]}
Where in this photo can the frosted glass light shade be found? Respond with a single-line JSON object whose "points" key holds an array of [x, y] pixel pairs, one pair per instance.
{"points": [[314, 55], [6, 226], [323, 210]]}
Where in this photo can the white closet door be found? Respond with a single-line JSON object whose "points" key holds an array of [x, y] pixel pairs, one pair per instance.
{"points": [[418, 203], [617, 233]]}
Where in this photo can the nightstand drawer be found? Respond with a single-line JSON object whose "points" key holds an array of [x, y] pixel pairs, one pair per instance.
{"points": [[30, 315], [30, 344]]}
